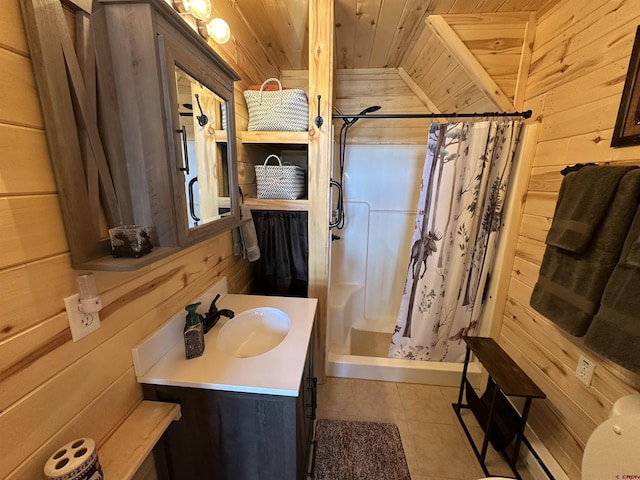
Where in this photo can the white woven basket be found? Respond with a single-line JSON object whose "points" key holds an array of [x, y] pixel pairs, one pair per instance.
{"points": [[280, 181], [278, 110]]}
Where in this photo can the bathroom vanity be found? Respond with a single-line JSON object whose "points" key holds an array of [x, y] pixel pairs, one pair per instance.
{"points": [[243, 417]]}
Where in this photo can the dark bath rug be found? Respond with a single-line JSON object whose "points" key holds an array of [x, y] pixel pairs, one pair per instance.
{"points": [[348, 450]]}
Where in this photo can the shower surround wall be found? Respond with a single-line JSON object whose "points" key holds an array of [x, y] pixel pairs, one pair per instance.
{"points": [[369, 264], [371, 257]]}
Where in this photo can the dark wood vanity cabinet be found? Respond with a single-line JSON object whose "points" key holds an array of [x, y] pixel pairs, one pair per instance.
{"points": [[237, 436]]}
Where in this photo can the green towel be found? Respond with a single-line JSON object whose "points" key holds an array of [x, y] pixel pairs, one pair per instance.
{"points": [[615, 330], [585, 198], [570, 286], [633, 258]]}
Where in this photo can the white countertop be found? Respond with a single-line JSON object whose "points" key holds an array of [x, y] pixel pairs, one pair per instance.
{"points": [[160, 359]]}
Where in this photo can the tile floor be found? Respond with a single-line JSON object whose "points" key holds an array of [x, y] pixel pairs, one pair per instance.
{"points": [[434, 443]]}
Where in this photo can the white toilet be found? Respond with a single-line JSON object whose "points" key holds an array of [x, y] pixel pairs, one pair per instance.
{"points": [[612, 448]]}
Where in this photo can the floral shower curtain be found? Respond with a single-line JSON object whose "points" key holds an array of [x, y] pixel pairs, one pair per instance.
{"points": [[463, 187]]}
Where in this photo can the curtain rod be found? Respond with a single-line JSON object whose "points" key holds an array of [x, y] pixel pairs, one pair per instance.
{"points": [[526, 114]]}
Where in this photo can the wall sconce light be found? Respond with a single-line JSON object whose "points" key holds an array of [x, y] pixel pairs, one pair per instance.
{"points": [[219, 30], [200, 9], [89, 298]]}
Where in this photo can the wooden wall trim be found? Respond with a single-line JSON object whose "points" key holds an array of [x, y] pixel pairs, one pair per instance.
{"points": [[525, 62], [321, 69], [469, 63], [424, 98], [494, 309]]}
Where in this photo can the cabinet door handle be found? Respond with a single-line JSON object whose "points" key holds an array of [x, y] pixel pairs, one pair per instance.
{"points": [[313, 388], [185, 151], [192, 206], [314, 396]]}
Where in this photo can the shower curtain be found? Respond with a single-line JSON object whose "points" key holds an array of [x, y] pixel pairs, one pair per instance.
{"points": [[463, 187]]}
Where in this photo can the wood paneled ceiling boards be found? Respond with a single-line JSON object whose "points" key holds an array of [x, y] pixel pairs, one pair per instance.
{"points": [[456, 55]]}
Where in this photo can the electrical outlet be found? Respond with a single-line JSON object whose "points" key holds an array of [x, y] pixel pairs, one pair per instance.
{"points": [[584, 370], [81, 323]]}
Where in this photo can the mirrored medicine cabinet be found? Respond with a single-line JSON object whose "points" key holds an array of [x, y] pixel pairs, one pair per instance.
{"points": [[139, 115], [198, 113], [203, 141]]}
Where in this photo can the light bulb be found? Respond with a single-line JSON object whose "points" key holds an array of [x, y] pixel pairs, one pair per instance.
{"points": [[201, 9], [219, 30]]}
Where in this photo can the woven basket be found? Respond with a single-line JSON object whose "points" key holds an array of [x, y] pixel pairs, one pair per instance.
{"points": [[280, 181], [277, 110]]}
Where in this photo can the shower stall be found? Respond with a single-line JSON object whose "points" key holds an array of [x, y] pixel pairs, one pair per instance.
{"points": [[372, 233], [369, 263]]}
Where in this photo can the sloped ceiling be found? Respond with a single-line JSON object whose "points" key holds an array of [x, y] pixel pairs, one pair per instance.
{"points": [[282, 28], [467, 63], [399, 34], [379, 33], [369, 33], [496, 41]]}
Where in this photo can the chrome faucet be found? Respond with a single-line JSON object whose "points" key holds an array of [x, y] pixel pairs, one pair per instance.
{"points": [[213, 315]]}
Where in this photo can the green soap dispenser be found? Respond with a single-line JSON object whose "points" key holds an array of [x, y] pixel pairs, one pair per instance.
{"points": [[193, 332]]}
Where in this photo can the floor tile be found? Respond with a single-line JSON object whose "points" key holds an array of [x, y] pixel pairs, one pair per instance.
{"points": [[494, 462], [425, 403], [434, 443], [450, 394], [379, 400], [407, 445], [442, 451], [336, 398]]}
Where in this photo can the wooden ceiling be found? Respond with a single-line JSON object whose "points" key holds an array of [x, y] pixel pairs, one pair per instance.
{"points": [[369, 33], [472, 62], [456, 55], [380, 33]]}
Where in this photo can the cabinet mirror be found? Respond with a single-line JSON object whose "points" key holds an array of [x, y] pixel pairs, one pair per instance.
{"points": [[203, 142], [199, 109]]}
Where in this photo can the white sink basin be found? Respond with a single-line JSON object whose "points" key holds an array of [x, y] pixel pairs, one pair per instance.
{"points": [[253, 332]]}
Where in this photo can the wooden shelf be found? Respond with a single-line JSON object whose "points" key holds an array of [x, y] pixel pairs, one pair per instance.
{"points": [[281, 138], [220, 136], [125, 264], [125, 450], [299, 138], [267, 204], [508, 375]]}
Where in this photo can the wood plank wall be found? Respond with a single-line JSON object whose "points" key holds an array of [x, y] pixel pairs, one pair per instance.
{"points": [[51, 389], [357, 89], [579, 61]]}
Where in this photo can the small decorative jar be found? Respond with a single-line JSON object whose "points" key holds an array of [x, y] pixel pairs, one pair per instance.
{"points": [[130, 240]]}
